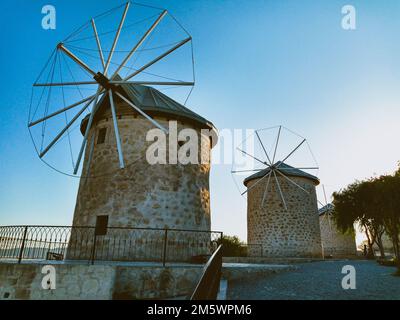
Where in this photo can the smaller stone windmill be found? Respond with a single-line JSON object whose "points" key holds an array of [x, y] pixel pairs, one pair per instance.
{"points": [[334, 242], [281, 198]]}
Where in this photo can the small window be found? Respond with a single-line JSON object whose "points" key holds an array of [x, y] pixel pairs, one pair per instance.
{"points": [[101, 225], [102, 136]]}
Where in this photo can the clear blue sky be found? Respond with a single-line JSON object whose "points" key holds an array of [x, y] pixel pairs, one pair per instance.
{"points": [[258, 64]]}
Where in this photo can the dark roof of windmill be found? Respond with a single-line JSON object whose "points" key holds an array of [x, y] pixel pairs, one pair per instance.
{"points": [[154, 102], [150, 99], [286, 169], [325, 209]]}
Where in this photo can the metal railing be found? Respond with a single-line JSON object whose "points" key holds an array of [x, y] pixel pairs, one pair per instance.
{"points": [[208, 286], [117, 244]]}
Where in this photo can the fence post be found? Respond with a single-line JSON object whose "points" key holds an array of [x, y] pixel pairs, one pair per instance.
{"points": [[21, 252], [165, 247], [93, 257]]}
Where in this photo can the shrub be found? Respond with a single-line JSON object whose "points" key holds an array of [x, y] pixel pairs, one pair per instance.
{"points": [[233, 247]]}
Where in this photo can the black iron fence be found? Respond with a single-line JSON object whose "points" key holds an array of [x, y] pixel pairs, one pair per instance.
{"points": [[116, 244]]}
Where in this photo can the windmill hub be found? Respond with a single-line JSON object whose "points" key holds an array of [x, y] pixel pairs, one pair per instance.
{"points": [[103, 81]]}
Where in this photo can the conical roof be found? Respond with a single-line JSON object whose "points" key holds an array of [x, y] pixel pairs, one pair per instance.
{"points": [[329, 207], [151, 100], [153, 103], [285, 169]]}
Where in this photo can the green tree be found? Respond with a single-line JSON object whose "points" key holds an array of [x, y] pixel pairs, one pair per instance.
{"points": [[390, 192], [233, 246], [358, 204], [371, 196], [375, 205]]}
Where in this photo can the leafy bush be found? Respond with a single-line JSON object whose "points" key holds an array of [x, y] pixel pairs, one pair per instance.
{"points": [[387, 263], [233, 246]]}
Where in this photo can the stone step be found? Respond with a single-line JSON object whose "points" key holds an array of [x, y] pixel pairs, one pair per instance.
{"points": [[235, 271]]}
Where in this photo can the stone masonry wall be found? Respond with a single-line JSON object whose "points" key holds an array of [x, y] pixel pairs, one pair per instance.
{"points": [[334, 243], [142, 195], [97, 282], [156, 283], [173, 196], [291, 233], [24, 282]]}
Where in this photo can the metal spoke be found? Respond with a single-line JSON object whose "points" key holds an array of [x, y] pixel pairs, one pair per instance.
{"points": [[326, 200], [116, 38], [60, 111], [139, 44], [280, 190], [238, 171], [276, 144], [90, 156], [88, 127], [266, 189], [76, 59], [300, 168], [43, 153], [158, 58], [98, 44], [247, 154], [321, 203], [295, 149], [265, 151], [154, 83], [290, 180], [248, 189], [142, 113], [59, 84], [117, 137]]}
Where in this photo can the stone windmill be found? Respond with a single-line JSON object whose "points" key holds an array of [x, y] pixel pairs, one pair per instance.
{"points": [[117, 181], [334, 242], [282, 205]]}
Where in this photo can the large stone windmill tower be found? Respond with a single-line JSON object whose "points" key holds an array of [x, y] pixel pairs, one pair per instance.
{"points": [[144, 195], [115, 78]]}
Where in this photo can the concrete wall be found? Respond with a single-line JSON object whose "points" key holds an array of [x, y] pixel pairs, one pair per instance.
{"points": [[334, 243], [156, 283], [284, 233], [85, 282], [23, 282]]}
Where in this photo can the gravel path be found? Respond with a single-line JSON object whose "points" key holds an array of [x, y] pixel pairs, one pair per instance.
{"points": [[320, 281]]}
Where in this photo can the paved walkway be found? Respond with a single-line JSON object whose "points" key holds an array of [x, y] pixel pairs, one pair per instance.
{"points": [[320, 281]]}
